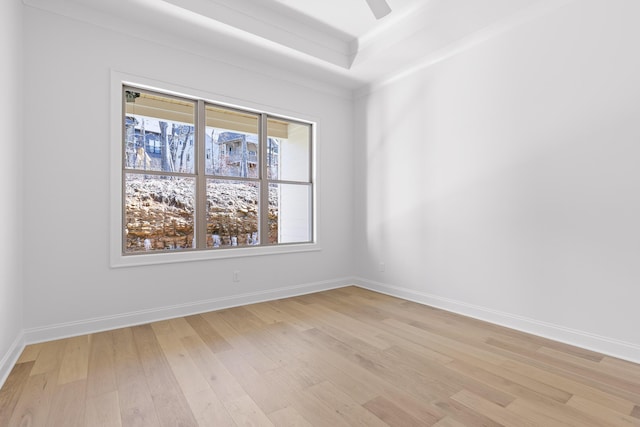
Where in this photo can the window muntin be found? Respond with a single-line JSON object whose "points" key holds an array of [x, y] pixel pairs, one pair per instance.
{"points": [[198, 176]]}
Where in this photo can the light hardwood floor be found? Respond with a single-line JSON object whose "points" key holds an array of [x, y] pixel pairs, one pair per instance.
{"points": [[342, 357]]}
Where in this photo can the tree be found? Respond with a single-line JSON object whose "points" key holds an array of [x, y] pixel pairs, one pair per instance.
{"points": [[167, 160], [183, 162]]}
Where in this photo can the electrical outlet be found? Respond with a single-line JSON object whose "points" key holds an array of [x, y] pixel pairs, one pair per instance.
{"points": [[381, 267], [236, 276]]}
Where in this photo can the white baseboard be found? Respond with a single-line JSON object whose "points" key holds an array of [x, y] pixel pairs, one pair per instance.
{"points": [[10, 358], [98, 324], [616, 348]]}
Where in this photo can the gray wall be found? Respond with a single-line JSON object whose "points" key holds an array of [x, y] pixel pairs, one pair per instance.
{"points": [[501, 182], [10, 183], [70, 286], [504, 182]]}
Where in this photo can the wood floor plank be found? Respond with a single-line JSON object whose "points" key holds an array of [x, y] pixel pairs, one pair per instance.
{"points": [[591, 364], [288, 417], [12, 390], [349, 325], [239, 342], [391, 414], [182, 328], [221, 381], [343, 405], [208, 409], [426, 412], [258, 386], [347, 307], [570, 385], [463, 414], [336, 358], [624, 388], [382, 368], [360, 386], [620, 368], [49, 357], [168, 399], [207, 334], [509, 382], [491, 410], [448, 345], [134, 397], [602, 413], [75, 360], [553, 413], [245, 412], [358, 382], [315, 411], [399, 340], [68, 405], [593, 369], [241, 319], [203, 402], [30, 353], [32, 409], [269, 313], [619, 364], [103, 410], [492, 392], [101, 374], [448, 422]]}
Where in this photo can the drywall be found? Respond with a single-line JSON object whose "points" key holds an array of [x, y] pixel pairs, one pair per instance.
{"points": [[504, 183], [500, 182], [10, 184], [70, 287]]}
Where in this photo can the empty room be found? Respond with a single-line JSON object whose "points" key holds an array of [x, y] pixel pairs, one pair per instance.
{"points": [[325, 213]]}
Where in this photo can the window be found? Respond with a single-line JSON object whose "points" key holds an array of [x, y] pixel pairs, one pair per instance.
{"points": [[199, 176]]}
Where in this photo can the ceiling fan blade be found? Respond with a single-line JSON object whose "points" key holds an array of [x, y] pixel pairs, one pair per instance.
{"points": [[380, 8]]}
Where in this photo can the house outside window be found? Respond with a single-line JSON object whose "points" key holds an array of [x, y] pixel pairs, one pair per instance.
{"points": [[200, 176]]}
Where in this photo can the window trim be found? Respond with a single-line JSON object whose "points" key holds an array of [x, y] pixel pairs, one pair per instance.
{"points": [[117, 256]]}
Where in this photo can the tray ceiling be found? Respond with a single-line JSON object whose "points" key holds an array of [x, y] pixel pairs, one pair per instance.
{"points": [[339, 41]]}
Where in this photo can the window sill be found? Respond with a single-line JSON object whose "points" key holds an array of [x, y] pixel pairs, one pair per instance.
{"points": [[118, 260]]}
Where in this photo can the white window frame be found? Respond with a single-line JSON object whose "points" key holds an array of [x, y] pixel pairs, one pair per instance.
{"points": [[117, 257]]}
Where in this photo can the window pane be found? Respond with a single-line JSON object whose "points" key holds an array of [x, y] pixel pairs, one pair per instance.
{"points": [[289, 213], [158, 213], [289, 150], [231, 143], [159, 133], [232, 213]]}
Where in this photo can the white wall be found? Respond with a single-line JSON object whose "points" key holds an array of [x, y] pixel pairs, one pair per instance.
{"points": [[504, 182], [69, 285], [10, 184]]}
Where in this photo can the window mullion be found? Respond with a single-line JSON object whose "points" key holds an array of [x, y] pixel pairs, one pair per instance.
{"points": [[201, 179], [123, 197], [264, 182]]}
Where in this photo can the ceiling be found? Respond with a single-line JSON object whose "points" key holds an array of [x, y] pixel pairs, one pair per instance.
{"points": [[351, 17], [338, 41]]}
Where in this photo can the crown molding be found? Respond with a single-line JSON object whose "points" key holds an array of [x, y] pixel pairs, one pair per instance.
{"points": [[286, 43], [210, 39], [277, 23]]}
